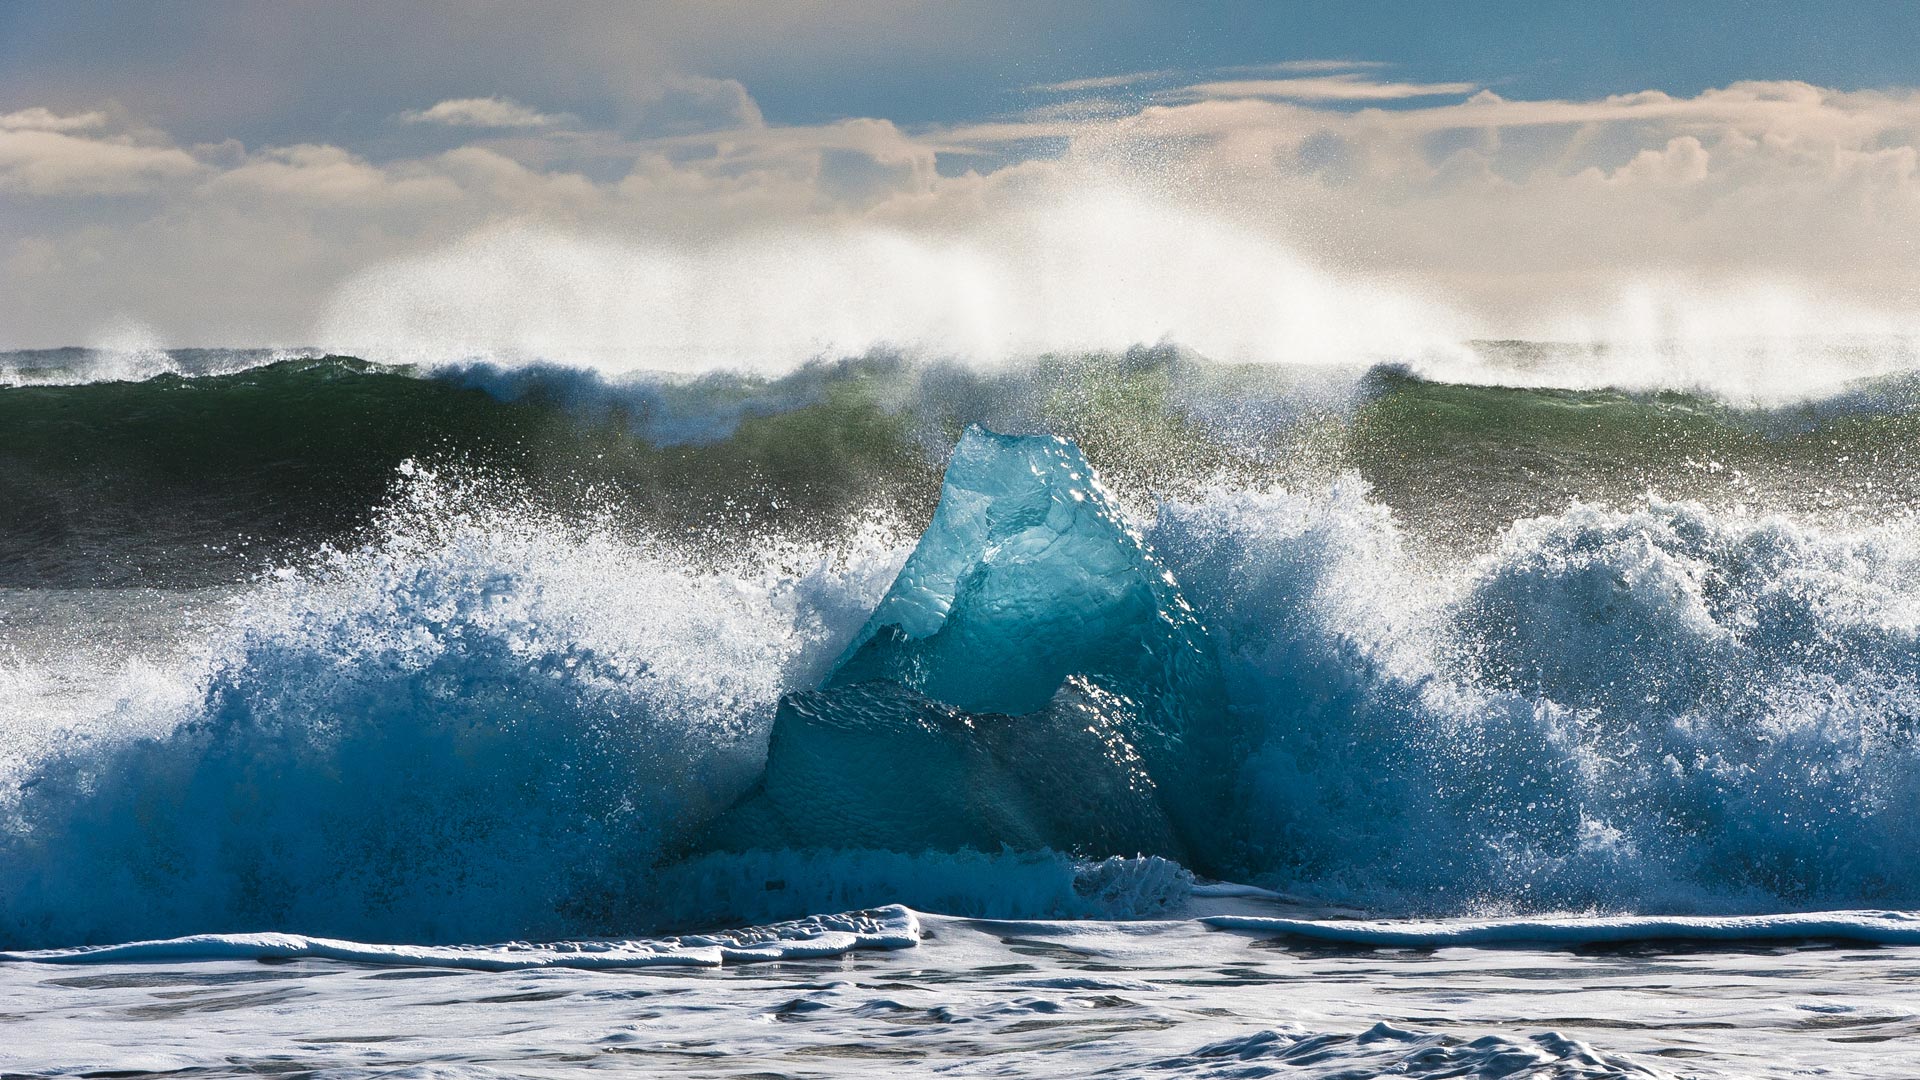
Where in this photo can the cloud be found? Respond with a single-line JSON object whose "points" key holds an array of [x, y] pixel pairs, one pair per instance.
{"points": [[1525, 216], [330, 175], [684, 104], [35, 161], [1350, 86], [43, 119], [1102, 82], [481, 112], [1348, 71], [1312, 67]]}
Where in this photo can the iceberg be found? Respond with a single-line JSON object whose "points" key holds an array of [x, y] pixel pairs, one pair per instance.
{"points": [[1032, 679], [877, 765]]}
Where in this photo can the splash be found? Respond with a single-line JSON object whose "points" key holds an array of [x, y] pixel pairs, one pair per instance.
{"points": [[1762, 343], [487, 723], [483, 724], [1108, 269], [1662, 708], [1105, 271]]}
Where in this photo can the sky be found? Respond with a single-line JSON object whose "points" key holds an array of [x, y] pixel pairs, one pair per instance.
{"points": [[488, 176]]}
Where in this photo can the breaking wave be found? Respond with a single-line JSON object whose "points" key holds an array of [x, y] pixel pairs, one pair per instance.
{"points": [[486, 713], [1105, 270]]}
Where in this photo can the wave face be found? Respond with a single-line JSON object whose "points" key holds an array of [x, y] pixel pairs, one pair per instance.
{"points": [[566, 656], [1660, 708], [475, 728], [226, 463], [191, 480]]}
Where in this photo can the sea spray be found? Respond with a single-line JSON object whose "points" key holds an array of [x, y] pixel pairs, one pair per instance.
{"points": [[484, 724], [489, 721], [1657, 709]]}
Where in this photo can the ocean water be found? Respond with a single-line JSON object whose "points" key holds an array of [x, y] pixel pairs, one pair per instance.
{"points": [[1125, 712]]}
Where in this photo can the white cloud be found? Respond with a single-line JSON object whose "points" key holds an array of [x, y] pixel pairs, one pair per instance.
{"points": [[685, 104], [1331, 80], [481, 112], [44, 119], [1521, 215], [1350, 86], [1102, 82], [35, 161], [331, 175], [1314, 67]]}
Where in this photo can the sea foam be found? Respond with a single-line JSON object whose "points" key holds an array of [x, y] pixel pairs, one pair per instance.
{"points": [[486, 724]]}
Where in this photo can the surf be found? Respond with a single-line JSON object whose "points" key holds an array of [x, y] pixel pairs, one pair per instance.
{"points": [[488, 721]]}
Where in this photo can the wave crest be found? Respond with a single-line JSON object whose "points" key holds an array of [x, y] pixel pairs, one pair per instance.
{"points": [[1657, 708], [493, 723], [485, 724]]}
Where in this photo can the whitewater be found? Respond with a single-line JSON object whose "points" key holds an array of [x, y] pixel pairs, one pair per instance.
{"points": [[1126, 711]]}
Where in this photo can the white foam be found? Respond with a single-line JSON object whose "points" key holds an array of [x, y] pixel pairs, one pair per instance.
{"points": [[134, 358], [1871, 927], [816, 936], [978, 998], [485, 723], [1662, 707]]}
